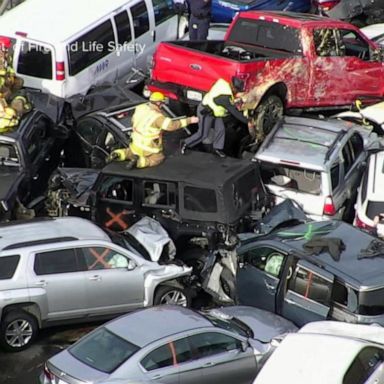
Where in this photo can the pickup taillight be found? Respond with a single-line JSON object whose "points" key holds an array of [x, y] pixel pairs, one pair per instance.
{"points": [[325, 5]]}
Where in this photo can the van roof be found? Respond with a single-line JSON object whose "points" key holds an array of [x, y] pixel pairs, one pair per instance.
{"points": [[353, 267], [55, 21]]}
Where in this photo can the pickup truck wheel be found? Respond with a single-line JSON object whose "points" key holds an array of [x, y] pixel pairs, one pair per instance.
{"points": [[18, 331], [269, 111], [168, 294]]}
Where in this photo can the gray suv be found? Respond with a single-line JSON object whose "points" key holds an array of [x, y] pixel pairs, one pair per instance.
{"points": [[68, 270], [315, 162]]}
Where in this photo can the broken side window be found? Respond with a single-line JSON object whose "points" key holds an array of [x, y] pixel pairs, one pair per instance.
{"points": [[325, 42]]}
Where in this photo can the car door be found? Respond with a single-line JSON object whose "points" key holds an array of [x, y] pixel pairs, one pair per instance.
{"points": [[220, 358], [42, 152], [144, 36], [308, 294], [362, 72], [59, 276], [258, 276], [163, 364], [114, 281], [329, 83], [114, 205]]}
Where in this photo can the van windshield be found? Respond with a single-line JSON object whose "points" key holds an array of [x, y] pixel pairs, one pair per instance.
{"points": [[35, 60]]}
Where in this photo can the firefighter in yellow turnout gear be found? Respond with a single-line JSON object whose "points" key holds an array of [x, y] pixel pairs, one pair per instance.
{"points": [[149, 122]]}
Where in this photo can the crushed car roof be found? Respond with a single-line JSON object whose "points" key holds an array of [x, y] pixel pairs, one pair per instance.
{"points": [[195, 168]]}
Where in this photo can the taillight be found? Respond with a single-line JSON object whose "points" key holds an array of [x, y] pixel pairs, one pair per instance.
{"points": [[329, 208], [360, 224], [47, 373], [60, 70], [326, 5]]}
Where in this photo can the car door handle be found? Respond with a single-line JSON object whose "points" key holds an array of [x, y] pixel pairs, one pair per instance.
{"points": [[41, 283], [290, 301], [209, 364], [270, 286], [157, 376], [95, 278]]}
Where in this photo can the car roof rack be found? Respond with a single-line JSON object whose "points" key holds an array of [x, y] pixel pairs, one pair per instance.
{"points": [[39, 242]]}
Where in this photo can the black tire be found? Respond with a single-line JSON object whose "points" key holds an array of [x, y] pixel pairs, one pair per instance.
{"points": [[228, 284], [21, 323], [268, 113], [168, 294]]}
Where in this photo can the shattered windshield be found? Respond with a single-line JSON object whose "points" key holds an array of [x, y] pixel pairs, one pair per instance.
{"points": [[9, 154]]}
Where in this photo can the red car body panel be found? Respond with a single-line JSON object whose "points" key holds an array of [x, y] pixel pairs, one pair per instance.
{"points": [[309, 80]]}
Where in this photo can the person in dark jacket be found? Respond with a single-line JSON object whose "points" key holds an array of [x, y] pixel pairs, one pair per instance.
{"points": [[199, 18], [217, 103]]}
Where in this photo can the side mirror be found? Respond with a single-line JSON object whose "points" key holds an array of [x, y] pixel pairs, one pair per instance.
{"points": [[244, 345], [131, 265]]}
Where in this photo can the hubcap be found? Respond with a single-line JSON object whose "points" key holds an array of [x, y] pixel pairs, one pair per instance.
{"points": [[174, 297], [18, 333]]}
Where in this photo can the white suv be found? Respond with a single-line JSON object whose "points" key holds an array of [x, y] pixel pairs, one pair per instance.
{"points": [[370, 198], [68, 269], [316, 163]]}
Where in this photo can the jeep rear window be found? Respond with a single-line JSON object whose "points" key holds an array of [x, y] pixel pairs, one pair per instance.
{"points": [[200, 199], [35, 60], [266, 34], [8, 266], [293, 178]]}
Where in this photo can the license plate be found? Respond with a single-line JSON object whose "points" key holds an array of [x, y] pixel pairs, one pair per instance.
{"points": [[193, 95]]}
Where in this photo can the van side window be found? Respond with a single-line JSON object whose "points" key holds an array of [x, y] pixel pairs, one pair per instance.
{"points": [[35, 60], [163, 10], [311, 286], [123, 27], [140, 18], [82, 52]]}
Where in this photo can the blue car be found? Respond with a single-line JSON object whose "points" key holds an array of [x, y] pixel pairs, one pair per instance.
{"points": [[223, 11]]}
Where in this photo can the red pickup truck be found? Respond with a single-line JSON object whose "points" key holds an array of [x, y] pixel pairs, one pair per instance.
{"points": [[287, 60]]}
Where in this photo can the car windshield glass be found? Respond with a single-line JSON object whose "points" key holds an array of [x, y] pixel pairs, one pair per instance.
{"points": [[371, 303], [294, 178], [8, 154], [266, 34], [229, 324], [103, 350]]}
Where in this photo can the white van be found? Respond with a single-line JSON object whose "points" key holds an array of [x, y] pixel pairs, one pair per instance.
{"points": [[65, 47]]}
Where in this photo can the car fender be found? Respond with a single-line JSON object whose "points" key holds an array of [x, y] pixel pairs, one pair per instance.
{"points": [[166, 274]]}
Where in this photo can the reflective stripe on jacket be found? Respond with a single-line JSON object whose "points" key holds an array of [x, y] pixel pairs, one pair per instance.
{"points": [[8, 119], [221, 87]]}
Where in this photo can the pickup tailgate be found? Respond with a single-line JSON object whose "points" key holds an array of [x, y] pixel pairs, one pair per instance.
{"points": [[191, 68]]}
